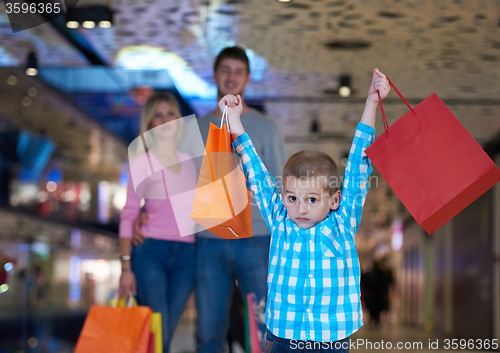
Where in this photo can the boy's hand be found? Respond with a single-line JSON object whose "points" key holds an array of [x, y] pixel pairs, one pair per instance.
{"points": [[235, 107], [380, 84], [234, 104]]}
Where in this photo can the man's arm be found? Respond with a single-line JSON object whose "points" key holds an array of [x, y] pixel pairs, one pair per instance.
{"points": [[274, 155]]}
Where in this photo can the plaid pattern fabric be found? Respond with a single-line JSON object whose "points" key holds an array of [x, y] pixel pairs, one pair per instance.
{"points": [[314, 274]]}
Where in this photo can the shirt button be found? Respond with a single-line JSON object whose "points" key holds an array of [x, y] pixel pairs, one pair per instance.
{"points": [[308, 310], [311, 242], [310, 275]]}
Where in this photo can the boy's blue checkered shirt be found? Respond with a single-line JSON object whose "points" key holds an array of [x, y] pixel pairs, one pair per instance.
{"points": [[314, 274]]}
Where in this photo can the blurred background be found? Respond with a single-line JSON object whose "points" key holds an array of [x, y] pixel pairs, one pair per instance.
{"points": [[71, 93]]}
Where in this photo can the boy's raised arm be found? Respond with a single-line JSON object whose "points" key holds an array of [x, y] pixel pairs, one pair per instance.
{"points": [[259, 180], [355, 183], [356, 176]]}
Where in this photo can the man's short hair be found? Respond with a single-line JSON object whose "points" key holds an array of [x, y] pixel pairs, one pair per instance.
{"points": [[236, 53], [313, 164]]}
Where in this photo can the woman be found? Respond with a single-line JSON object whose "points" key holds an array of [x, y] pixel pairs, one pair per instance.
{"points": [[162, 269]]}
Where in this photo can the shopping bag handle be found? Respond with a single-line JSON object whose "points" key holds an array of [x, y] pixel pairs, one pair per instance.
{"points": [[384, 118], [130, 302], [225, 114]]}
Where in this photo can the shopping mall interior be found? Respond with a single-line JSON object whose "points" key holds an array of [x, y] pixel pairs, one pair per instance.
{"points": [[72, 88]]}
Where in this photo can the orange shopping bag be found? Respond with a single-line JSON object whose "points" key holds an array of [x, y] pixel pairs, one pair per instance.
{"points": [[115, 330], [222, 201]]}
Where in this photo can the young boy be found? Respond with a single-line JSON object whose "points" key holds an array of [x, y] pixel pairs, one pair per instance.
{"points": [[314, 275]]}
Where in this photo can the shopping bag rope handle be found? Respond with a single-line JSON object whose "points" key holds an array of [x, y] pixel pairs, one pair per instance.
{"points": [[224, 119], [225, 114], [384, 118], [130, 301]]}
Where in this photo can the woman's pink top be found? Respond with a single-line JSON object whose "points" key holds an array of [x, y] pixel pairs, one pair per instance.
{"points": [[168, 212]]}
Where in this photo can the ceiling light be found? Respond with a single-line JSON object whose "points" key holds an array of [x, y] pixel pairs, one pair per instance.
{"points": [[31, 72], [31, 65], [51, 186], [8, 266], [32, 92], [88, 24], [12, 80], [89, 17], [72, 24], [345, 157], [4, 288], [26, 101], [315, 127], [345, 86], [344, 91], [105, 24]]}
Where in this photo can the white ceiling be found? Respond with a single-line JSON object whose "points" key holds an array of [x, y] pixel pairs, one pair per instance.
{"points": [[450, 46]]}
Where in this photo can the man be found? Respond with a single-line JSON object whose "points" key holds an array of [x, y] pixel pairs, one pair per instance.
{"points": [[220, 261]]}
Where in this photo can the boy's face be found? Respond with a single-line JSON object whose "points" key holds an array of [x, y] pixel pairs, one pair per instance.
{"points": [[307, 201], [231, 77]]}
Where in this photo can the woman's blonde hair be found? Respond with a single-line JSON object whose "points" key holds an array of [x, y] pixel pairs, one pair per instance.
{"points": [[149, 108]]}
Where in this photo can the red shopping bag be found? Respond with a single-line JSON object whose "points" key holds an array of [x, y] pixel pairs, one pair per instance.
{"points": [[222, 201], [432, 163], [151, 344], [115, 330], [252, 342]]}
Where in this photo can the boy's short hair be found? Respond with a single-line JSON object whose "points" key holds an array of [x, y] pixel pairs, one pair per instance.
{"points": [[313, 164], [237, 53]]}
